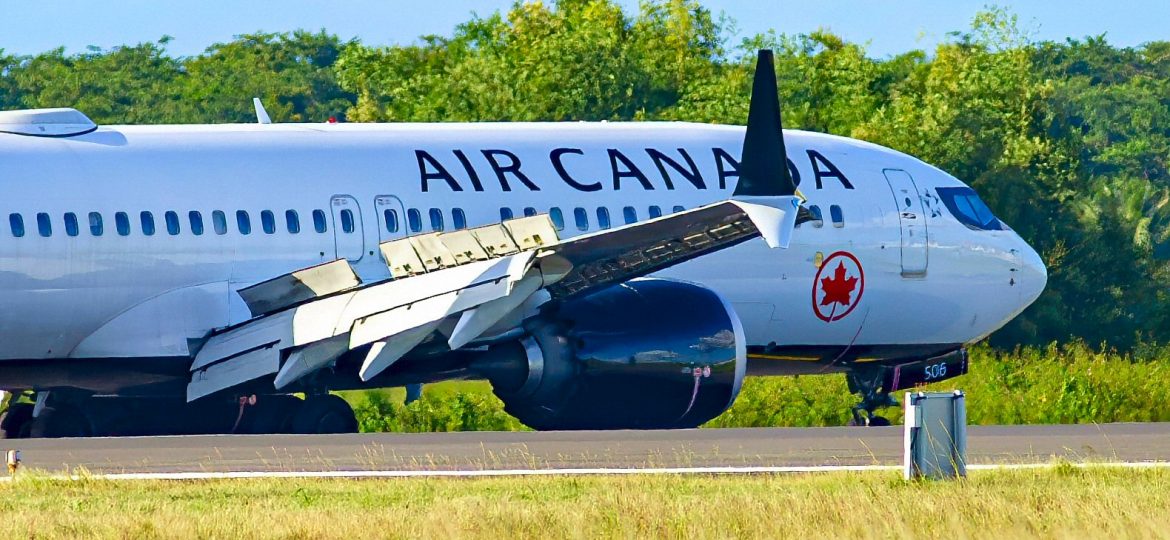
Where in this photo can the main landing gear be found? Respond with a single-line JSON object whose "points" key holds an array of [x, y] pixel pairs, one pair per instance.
{"points": [[868, 381], [318, 413], [75, 414], [15, 418], [44, 418]]}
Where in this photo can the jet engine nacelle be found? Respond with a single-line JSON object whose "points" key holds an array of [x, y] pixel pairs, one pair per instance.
{"points": [[647, 354]]}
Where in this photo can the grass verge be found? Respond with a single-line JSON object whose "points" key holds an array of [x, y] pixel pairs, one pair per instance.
{"points": [[1054, 502]]}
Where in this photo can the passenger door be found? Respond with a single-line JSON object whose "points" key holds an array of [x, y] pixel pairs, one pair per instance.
{"points": [[911, 220], [348, 235]]}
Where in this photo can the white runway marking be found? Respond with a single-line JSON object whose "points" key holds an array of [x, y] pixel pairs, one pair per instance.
{"points": [[573, 472]]}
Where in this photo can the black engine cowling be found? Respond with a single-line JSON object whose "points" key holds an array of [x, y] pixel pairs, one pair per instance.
{"points": [[647, 354]]}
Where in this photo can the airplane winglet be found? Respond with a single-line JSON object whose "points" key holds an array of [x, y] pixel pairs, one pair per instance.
{"points": [[763, 169], [766, 192], [261, 114], [774, 217]]}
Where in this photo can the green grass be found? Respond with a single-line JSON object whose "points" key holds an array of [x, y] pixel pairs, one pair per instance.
{"points": [[1059, 384], [1057, 502]]}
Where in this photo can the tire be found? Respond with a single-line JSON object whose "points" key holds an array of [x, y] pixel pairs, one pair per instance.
{"points": [[272, 414], [324, 414], [14, 423], [874, 421], [61, 421]]}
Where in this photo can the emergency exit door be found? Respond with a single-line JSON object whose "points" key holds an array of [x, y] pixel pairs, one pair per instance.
{"points": [[391, 221], [911, 220], [348, 235]]}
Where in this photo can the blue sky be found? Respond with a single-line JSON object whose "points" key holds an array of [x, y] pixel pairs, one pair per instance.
{"points": [[888, 26]]}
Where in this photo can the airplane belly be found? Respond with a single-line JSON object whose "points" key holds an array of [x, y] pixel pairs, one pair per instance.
{"points": [[74, 306], [49, 323], [160, 325]]}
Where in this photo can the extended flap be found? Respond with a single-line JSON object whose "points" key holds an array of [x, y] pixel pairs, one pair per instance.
{"points": [[295, 287]]}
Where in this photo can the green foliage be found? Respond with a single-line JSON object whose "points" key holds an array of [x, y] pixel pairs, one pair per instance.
{"points": [[1065, 384], [575, 60], [1072, 383], [1068, 142], [291, 73], [436, 410], [141, 84], [125, 84]]}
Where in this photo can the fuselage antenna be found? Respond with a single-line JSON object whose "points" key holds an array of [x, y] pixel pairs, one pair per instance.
{"points": [[261, 114]]}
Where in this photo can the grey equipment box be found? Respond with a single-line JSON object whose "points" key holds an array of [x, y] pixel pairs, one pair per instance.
{"points": [[936, 435]]}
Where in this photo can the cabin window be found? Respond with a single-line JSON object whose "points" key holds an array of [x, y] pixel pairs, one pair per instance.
{"points": [[95, 224], [817, 220], [678, 209], [44, 226], [582, 218], [458, 218], [603, 217], [16, 221], [505, 214], [172, 220], [244, 222], [347, 223], [436, 216], [268, 221], [292, 221], [529, 212], [390, 217], [319, 223], [558, 218], [836, 215], [630, 215], [414, 219], [655, 212], [71, 227], [122, 223], [147, 220], [196, 220], [219, 222]]}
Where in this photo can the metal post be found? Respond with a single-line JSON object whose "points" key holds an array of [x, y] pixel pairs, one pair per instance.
{"points": [[935, 443], [12, 459]]}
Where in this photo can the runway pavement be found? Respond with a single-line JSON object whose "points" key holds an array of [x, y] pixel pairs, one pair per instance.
{"points": [[593, 449]]}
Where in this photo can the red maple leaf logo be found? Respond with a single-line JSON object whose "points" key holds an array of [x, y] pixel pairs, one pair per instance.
{"points": [[838, 288]]}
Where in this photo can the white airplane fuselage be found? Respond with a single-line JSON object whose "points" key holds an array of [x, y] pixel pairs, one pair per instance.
{"points": [[99, 287]]}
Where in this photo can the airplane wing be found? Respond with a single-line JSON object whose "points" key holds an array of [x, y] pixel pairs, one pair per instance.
{"points": [[305, 320]]}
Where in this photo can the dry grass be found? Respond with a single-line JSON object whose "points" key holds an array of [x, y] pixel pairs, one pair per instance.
{"points": [[1060, 502]]}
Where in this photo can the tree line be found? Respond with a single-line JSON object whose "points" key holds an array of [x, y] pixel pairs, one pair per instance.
{"points": [[1069, 142]]}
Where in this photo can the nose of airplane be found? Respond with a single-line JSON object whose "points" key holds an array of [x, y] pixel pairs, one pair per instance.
{"points": [[1034, 275]]}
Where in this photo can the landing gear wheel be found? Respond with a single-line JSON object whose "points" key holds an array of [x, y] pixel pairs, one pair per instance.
{"points": [[61, 421], [272, 414], [15, 423], [324, 414], [872, 421], [868, 382]]}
